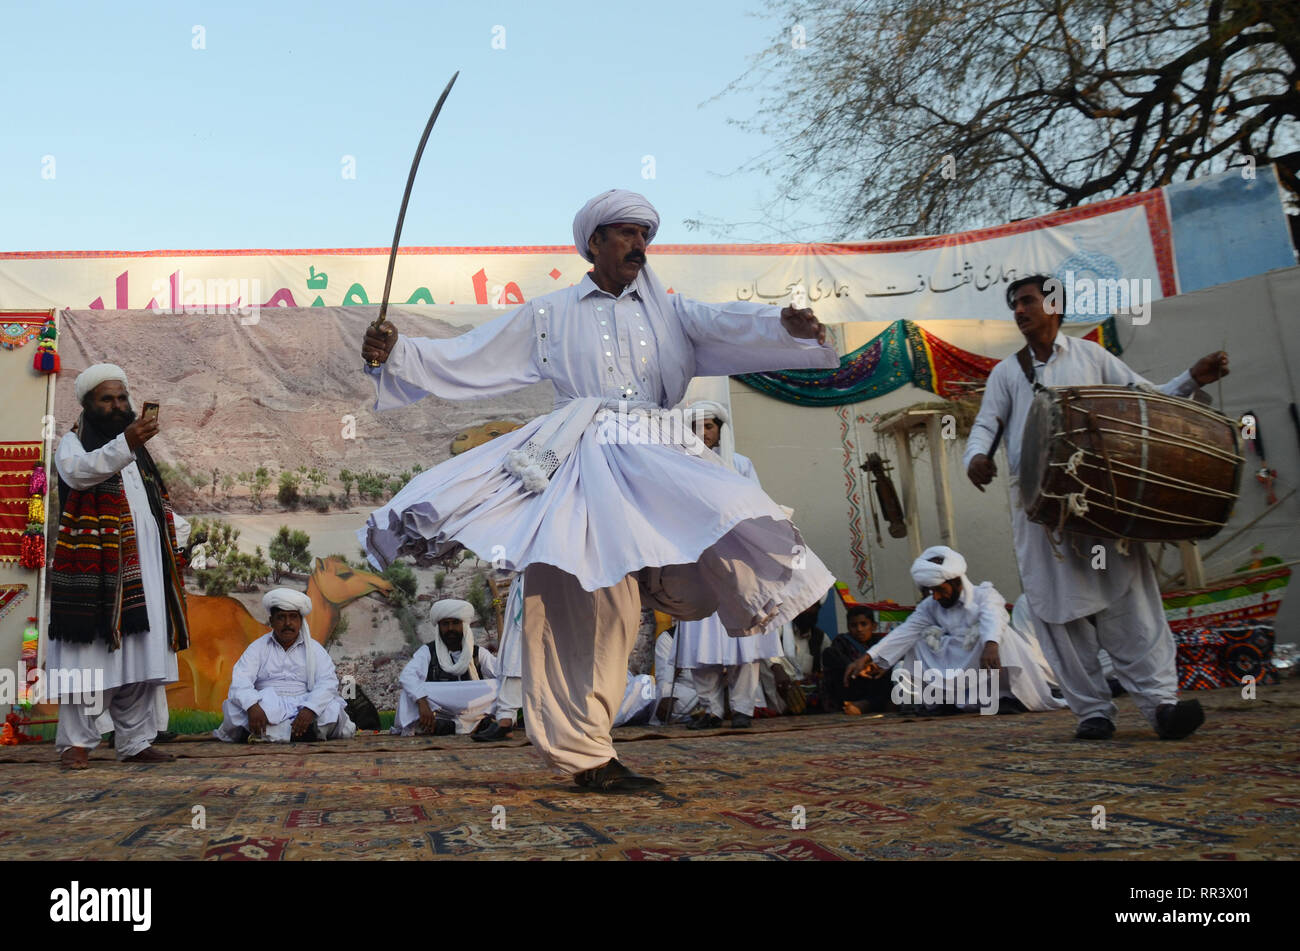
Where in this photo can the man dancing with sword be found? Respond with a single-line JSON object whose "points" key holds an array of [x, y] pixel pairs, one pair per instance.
{"points": [[600, 526]]}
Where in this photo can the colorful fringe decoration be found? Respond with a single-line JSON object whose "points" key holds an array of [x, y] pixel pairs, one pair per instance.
{"points": [[37, 484], [47, 353], [21, 327], [879, 366], [902, 353], [32, 555], [942, 368], [36, 510], [17, 472], [11, 595]]}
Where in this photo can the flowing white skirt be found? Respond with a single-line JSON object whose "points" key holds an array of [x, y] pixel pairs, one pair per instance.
{"points": [[705, 643], [609, 510]]}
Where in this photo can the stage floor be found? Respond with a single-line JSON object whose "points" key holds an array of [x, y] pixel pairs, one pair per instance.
{"points": [[790, 789]]}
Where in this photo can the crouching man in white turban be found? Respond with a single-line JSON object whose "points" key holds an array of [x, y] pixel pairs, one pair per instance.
{"points": [[283, 688], [958, 645], [449, 683]]}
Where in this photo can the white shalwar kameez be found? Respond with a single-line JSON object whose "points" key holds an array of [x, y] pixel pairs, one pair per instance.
{"points": [[951, 641], [510, 657], [465, 701], [140, 669], [717, 660], [1078, 610], [283, 682], [673, 682], [618, 521]]}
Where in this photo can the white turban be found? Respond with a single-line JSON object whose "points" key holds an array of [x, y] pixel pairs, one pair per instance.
{"points": [[286, 599], [929, 574], [706, 409], [454, 608], [451, 607], [616, 206], [92, 376]]}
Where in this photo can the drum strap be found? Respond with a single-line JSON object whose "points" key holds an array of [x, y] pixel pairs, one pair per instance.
{"points": [[1026, 361]]}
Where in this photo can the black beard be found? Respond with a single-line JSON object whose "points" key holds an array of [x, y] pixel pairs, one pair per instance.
{"points": [[113, 423]]}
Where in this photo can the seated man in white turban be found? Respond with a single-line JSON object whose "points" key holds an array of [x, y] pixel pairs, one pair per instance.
{"points": [[283, 688], [958, 646], [449, 684]]}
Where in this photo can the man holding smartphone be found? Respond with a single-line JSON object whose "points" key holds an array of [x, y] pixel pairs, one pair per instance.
{"points": [[118, 598]]}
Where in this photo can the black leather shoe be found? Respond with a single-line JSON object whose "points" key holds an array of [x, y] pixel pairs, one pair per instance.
{"points": [[706, 722], [491, 733], [1177, 720], [443, 726], [613, 776], [741, 721], [1011, 705], [1095, 728]]}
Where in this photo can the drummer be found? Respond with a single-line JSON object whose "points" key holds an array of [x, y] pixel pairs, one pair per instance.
{"points": [[1080, 610]]}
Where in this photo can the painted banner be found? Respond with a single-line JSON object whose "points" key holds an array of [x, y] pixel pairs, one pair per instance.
{"points": [[1110, 256], [947, 276]]}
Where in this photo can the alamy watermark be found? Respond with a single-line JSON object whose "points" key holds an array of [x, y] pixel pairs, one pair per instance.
{"points": [[647, 427], [1100, 297], [932, 686], [81, 685], [215, 296]]}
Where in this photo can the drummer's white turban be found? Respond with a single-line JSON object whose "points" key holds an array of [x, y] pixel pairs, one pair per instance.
{"points": [[616, 206], [286, 599], [927, 573], [92, 376]]}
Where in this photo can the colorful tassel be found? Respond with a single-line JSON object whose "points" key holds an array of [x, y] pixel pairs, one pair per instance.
{"points": [[38, 484], [36, 510], [47, 355], [33, 550]]}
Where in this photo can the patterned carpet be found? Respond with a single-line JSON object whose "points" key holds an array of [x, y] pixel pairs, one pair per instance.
{"points": [[790, 789]]}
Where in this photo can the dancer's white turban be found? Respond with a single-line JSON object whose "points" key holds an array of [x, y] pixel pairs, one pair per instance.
{"points": [[929, 574], [92, 376], [616, 206]]}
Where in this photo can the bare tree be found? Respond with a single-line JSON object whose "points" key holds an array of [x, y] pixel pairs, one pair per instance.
{"points": [[896, 117]]}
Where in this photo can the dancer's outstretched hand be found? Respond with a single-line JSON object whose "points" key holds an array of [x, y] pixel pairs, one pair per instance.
{"points": [[802, 322]]}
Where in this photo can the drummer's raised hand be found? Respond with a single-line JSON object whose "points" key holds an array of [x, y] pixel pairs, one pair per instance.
{"points": [[378, 343], [981, 471], [1210, 368]]}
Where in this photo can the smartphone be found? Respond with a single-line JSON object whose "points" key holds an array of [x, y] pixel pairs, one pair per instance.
{"points": [[150, 411]]}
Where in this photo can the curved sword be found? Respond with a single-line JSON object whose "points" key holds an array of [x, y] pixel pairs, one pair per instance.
{"points": [[401, 214]]}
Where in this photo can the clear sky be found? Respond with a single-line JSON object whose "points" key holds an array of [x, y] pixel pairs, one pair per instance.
{"points": [[119, 134]]}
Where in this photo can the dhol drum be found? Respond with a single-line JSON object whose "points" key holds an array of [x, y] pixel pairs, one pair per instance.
{"points": [[1123, 462]]}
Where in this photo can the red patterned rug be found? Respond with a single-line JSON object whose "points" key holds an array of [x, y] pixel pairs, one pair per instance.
{"points": [[790, 789]]}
